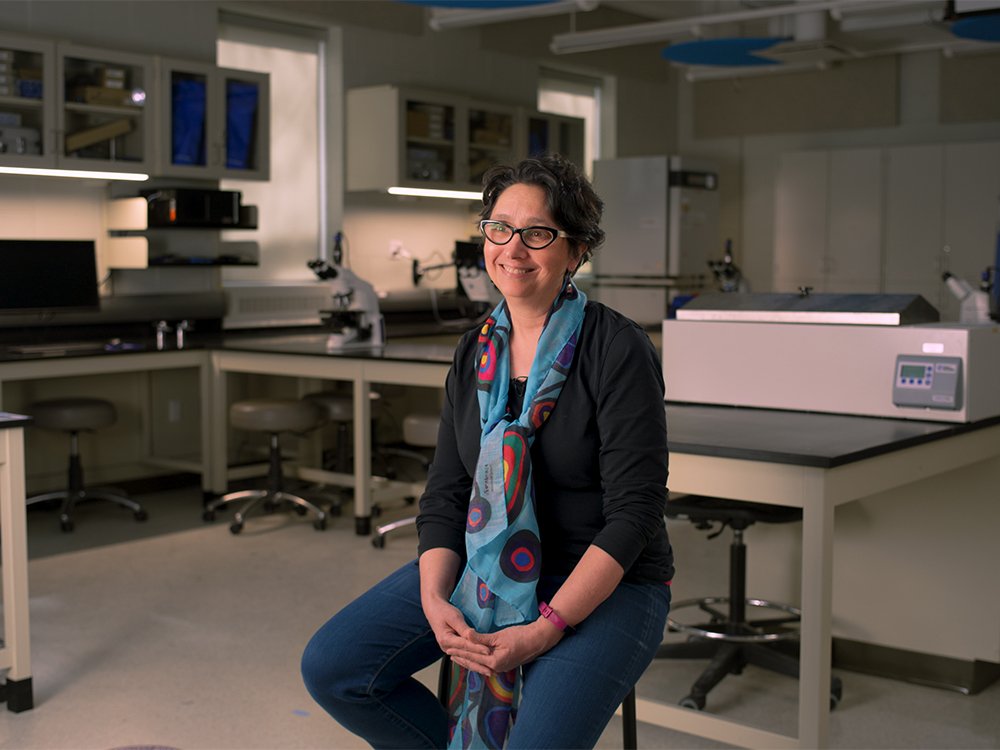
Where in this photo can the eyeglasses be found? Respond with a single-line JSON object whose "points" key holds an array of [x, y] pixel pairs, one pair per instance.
{"points": [[535, 238]]}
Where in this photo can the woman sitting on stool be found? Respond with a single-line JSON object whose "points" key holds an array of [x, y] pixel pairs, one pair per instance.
{"points": [[543, 556]]}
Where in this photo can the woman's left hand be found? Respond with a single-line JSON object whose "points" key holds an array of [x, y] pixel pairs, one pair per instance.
{"points": [[516, 645]]}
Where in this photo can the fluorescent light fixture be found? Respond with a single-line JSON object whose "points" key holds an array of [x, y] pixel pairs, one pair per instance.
{"points": [[468, 195], [681, 28], [78, 173], [454, 18]]}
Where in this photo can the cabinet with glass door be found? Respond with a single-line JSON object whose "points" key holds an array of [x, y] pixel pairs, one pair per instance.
{"points": [[546, 133], [27, 108], [105, 109], [491, 139], [214, 122]]}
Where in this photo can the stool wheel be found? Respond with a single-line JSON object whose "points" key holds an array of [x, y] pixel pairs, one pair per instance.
{"points": [[319, 524], [695, 702], [836, 693], [208, 516], [235, 527], [66, 525], [378, 541], [141, 515]]}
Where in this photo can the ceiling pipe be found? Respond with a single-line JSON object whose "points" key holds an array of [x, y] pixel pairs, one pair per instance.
{"points": [[454, 18], [660, 31]]}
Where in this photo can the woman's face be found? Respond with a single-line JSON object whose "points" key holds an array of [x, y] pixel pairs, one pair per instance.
{"points": [[521, 274]]}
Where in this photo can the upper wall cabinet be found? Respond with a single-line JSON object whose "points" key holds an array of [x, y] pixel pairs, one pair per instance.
{"points": [[553, 134], [105, 109], [214, 123], [412, 138], [27, 113], [71, 107]]}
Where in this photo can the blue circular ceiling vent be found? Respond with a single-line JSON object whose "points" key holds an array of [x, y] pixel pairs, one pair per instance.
{"points": [[985, 28], [733, 52]]}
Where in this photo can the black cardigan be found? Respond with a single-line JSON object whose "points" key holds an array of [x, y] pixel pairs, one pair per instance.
{"points": [[599, 462]]}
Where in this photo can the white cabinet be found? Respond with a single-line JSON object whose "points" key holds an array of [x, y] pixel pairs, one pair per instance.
{"points": [[914, 231], [27, 108], [214, 122], [105, 109], [887, 219], [828, 221], [415, 138]]}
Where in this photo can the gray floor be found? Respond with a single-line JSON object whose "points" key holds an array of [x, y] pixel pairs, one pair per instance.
{"points": [[188, 637]]}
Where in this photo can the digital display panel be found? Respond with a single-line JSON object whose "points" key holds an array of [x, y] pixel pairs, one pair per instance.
{"points": [[911, 371], [40, 275]]}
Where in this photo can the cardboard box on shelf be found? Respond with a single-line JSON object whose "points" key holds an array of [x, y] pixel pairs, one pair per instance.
{"points": [[90, 136], [102, 95]]}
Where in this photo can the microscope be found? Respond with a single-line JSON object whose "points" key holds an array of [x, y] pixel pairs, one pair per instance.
{"points": [[353, 318]]}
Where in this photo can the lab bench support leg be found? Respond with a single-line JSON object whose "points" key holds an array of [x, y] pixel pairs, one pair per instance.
{"points": [[362, 457], [19, 695]]}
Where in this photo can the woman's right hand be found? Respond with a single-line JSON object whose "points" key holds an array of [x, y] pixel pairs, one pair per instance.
{"points": [[454, 635], [438, 573]]}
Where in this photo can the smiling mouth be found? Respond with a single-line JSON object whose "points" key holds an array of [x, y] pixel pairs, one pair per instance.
{"points": [[516, 271]]}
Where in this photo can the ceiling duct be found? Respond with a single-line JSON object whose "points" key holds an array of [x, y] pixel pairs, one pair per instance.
{"points": [[809, 44]]}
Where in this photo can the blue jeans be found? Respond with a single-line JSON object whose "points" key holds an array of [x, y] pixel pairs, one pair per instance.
{"points": [[359, 667]]}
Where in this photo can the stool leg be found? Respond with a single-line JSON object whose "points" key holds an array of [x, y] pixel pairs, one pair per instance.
{"points": [[630, 740], [75, 484]]}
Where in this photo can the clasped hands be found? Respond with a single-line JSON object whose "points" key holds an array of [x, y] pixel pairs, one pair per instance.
{"points": [[488, 653]]}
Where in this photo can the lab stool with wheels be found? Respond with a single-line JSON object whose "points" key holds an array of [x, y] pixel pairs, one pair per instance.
{"points": [[338, 409], [76, 415], [419, 431], [448, 671], [729, 638], [273, 416]]}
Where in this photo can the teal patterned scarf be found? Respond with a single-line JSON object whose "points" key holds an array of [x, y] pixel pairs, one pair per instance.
{"points": [[497, 587]]}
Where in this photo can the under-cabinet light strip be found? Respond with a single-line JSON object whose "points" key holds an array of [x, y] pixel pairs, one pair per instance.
{"points": [[468, 195], [78, 173]]}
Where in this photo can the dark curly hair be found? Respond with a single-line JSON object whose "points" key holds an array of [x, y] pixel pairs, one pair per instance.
{"points": [[571, 200]]}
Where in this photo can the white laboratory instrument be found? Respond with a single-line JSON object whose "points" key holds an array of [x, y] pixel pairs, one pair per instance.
{"points": [[352, 314], [661, 221], [870, 355], [974, 304]]}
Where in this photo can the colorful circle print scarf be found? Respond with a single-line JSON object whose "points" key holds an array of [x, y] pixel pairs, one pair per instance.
{"points": [[497, 587]]}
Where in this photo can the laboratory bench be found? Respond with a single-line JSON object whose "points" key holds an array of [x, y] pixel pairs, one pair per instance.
{"points": [[817, 462]]}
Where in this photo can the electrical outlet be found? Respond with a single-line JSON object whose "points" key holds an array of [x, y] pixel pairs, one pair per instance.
{"points": [[396, 249]]}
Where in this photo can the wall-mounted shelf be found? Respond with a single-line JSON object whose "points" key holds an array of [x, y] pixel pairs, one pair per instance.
{"points": [[134, 245]]}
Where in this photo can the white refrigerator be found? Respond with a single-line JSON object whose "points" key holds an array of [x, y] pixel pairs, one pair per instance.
{"points": [[661, 220]]}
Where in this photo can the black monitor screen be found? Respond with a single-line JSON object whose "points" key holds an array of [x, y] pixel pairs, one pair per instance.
{"points": [[38, 275]]}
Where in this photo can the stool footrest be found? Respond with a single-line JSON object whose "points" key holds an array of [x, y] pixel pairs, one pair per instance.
{"points": [[751, 631]]}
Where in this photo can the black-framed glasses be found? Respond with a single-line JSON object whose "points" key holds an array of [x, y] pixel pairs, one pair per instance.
{"points": [[534, 238]]}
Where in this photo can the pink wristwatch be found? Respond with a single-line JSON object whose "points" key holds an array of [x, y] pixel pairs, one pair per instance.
{"points": [[552, 616]]}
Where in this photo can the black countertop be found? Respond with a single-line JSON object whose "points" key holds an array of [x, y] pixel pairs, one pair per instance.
{"points": [[433, 350], [8, 420], [795, 437]]}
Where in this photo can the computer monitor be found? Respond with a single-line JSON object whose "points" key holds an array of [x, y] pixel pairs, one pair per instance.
{"points": [[48, 275]]}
